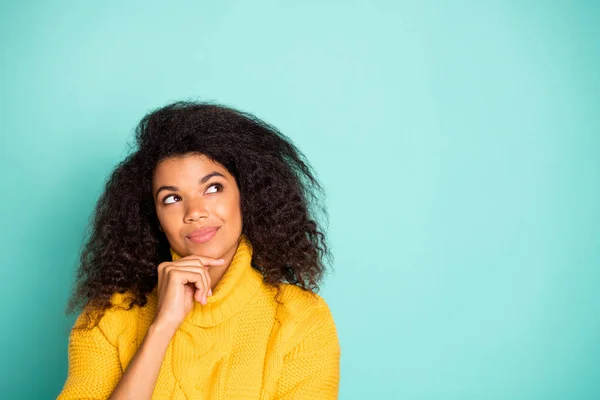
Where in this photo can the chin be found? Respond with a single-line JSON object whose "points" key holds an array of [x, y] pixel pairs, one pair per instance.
{"points": [[213, 250]]}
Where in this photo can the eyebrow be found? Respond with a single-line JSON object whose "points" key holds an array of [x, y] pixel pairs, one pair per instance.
{"points": [[202, 181]]}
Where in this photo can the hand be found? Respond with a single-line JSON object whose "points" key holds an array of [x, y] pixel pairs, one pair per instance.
{"points": [[180, 283]]}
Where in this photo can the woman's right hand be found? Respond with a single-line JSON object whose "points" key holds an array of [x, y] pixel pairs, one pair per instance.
{"points": [[180, 283]]}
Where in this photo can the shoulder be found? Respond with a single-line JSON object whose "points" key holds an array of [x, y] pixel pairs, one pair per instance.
{"points": [[300, 303], [119, 319], [302, 313]]}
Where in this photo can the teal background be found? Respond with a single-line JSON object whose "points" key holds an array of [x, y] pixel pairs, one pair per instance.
{"points": [[459, 143]]}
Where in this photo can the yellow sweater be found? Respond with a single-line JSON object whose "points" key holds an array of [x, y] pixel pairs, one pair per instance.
{"points": [[241, 345]]}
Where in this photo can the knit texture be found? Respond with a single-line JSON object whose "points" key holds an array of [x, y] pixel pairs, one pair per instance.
{"points": [[243, 344]]}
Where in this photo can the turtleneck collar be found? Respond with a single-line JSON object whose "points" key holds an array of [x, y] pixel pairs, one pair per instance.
{"points": [[235, 289]]}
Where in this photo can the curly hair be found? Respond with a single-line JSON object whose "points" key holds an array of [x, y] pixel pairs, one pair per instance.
{"points": [[281, 202]]}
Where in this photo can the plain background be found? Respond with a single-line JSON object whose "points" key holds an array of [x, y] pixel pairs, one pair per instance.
{"points": [[459, 143]]}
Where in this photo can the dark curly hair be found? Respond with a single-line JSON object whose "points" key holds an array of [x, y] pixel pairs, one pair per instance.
{"points": [[281, 203]]}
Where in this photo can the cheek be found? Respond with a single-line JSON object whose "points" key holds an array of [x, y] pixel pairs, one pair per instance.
{"points": [[230, 210], [162, 219], [168, 221], [173, 234]]}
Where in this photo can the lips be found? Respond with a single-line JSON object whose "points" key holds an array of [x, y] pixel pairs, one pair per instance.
{"points": [[203, 235]]}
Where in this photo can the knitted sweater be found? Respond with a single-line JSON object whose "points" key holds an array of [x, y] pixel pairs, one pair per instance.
{"points": [[243, 344]]}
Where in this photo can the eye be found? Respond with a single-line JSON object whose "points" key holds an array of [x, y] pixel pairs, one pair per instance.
{"points": [[218, 187], [171, 197]]}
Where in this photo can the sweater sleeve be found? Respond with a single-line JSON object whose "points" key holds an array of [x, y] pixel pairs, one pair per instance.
{"points": [[312, 369], [94, 367]]}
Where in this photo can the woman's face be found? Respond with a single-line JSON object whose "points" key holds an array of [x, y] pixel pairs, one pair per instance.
{"points": [[198, 206]]}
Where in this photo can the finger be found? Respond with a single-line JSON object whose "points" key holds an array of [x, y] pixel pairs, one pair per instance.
{"points": [[197, 277], [207, 261], [209, 281], [196, 270], [193, 263], [206, 279], [201, 289], [202, 286]]}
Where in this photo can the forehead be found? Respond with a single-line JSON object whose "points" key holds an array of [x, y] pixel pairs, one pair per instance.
{"points": [[189, 167]]}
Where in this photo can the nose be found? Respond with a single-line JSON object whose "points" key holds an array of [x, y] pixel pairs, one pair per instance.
{"points": [[196, 209]]}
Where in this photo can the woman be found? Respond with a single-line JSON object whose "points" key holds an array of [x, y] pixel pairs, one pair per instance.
{"points": [[199, 278]]}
